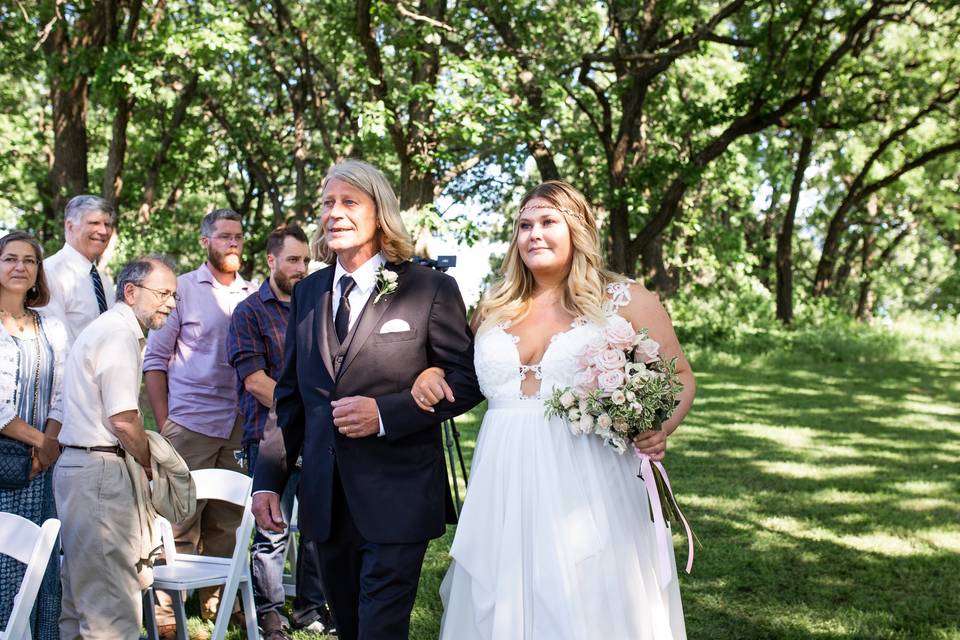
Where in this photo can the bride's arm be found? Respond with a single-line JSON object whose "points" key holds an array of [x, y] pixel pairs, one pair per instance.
{"points": [[430, 387], [644, 311]]}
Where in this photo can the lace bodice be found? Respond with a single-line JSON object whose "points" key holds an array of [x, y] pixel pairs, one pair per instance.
{"points": [[497, 360]]}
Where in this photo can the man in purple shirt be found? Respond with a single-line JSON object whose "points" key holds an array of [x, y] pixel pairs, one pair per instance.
{"points": [[192, 391], [255, 350]]}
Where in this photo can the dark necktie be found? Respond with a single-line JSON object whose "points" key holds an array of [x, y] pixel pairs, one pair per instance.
{"points": [[342, 320], [98, 288]]}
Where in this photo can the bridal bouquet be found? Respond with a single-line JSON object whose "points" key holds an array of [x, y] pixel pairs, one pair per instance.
{"points": [[624, 387]]}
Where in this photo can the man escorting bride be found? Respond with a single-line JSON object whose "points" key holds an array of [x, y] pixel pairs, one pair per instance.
{"points": [[555, 540]]}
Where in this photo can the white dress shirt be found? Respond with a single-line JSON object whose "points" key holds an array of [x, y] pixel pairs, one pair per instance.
{"points": [[365, 278], [72, 298], [102, 378]]}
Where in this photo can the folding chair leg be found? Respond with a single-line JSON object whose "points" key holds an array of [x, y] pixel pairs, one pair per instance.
{"points": [[249, 608], [179, 614], [150, 615], [224, 611]]}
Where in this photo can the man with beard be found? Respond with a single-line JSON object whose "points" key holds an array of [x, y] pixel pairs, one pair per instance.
{"points": [[255, 349], [193, 395], [101, 426], [79, 290]]}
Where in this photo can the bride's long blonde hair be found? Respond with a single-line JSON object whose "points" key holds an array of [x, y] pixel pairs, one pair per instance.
{"points": [[587, 280]]}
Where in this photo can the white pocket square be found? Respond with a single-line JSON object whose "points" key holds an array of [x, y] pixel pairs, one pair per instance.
{"points": [[394, 326]]}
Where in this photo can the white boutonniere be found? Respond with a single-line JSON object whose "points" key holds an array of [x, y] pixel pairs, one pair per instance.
{"points": [[386, 283]]}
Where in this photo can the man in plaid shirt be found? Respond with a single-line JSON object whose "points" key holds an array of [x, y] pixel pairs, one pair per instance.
{"points": [[255, 350]]}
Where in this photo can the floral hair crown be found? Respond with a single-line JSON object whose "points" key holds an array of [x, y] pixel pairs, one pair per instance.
{"points": [[574, 214]]}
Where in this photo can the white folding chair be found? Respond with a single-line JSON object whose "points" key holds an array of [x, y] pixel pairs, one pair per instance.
{"points": [[184, 572], [31, 545]]}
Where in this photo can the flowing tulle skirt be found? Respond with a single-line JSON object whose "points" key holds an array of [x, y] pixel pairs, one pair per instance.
{"points": [[555, 540]]}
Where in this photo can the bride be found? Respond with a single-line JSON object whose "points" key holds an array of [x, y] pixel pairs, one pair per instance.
{"points": [[555, 540]]}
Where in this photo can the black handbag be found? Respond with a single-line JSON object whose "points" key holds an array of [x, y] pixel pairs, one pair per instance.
{"points": [[16, 457]]}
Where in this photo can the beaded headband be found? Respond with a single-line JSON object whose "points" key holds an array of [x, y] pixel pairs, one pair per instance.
{"points": [[569, 212]]}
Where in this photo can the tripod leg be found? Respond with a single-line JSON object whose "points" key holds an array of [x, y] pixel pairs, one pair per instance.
{"points": [[449, 436], [456, 441]]}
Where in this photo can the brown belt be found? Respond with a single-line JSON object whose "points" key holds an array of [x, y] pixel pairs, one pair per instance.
{"points": [[117, 451]]}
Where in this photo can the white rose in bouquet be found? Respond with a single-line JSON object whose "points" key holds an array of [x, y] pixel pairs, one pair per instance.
{"points": [[618, 397], [586, 423]]}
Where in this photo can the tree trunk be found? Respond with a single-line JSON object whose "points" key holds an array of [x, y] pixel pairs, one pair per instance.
{"points": [[656, 274], [618, 240], [170, 135], [785, 236], [68, 98], [113, 171], [838, 284]]}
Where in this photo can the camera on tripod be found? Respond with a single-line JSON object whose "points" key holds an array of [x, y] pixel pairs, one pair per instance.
{"points": [[440, 263]]}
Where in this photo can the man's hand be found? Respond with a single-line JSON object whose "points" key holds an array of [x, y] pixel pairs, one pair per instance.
{"points": [[356, 416], [49, 452], [266, 510]]}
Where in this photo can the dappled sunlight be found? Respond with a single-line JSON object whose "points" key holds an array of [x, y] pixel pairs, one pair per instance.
{"points": [[924, 504], [945, 540], [927, 488], [874, 542], [825, 496], [839, 497], [816, 470]]}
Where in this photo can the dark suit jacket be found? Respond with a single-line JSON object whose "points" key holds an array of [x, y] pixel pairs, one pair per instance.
{"points": [[395, 485]]}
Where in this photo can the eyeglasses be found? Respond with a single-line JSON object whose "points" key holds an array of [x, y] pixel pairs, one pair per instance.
{"points": [[227, 237], [30, 263], [163, 295]]}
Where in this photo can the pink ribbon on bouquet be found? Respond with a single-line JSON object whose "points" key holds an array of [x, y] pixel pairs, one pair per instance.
{"points": [[664, 541]]}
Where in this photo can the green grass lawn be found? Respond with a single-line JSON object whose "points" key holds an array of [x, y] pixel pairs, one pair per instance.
{"points": [[826, 496]]}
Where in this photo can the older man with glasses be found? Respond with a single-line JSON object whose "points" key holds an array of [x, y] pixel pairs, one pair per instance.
{"points": [[93, 488], [192, 390]]}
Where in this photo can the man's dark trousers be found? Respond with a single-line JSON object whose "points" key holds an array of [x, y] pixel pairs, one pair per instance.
{"points": [[268, 556]]}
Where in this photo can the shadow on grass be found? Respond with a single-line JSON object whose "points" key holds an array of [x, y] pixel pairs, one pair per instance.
{"points": [[826, 498]]}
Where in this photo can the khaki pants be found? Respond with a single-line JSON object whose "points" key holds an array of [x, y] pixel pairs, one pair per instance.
{"points": [[101, 546], [212, 530]]}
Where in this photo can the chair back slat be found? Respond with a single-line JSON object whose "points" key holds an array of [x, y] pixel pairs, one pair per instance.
{"points": [[222, 484], [31, 545]]}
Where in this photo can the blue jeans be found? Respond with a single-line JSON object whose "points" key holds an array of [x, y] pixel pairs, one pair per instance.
{"points": [[267, 557]]}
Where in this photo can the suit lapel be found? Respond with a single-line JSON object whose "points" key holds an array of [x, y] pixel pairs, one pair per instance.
{"points": [[324, 322], [369, 319]]}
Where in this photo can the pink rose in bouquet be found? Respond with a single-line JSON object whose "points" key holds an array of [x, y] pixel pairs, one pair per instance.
{"points": [[620, 334], [610, 381], [648, 350], [610, 359], [584, 382]]}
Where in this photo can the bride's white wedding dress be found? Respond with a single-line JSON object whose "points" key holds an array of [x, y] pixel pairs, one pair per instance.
{"points": [[555, 539]]}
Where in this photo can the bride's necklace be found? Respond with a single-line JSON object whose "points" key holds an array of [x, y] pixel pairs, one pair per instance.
{"points": [[17, 319]]}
